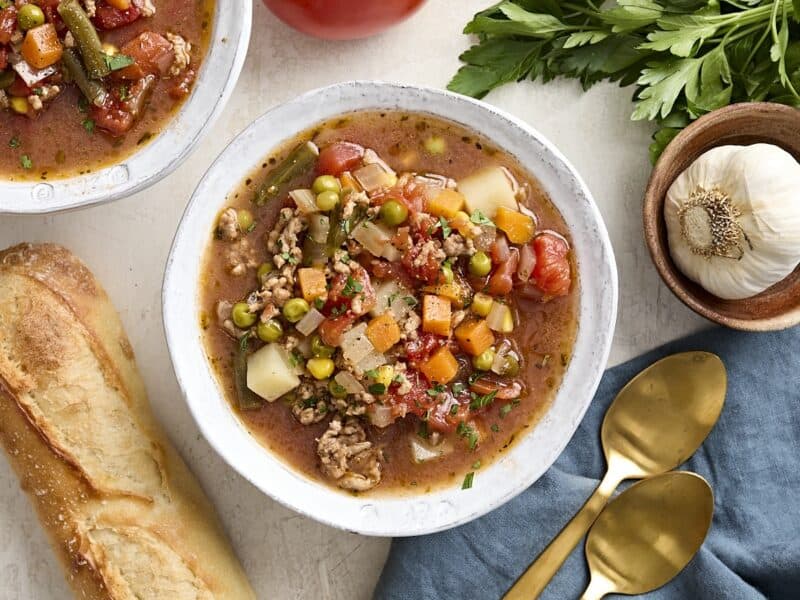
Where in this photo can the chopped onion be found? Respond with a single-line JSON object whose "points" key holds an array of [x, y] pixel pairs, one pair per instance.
{"points": [[390, 295], [305, 201], [500, 318], [371, 361], [374, 177], [310, 322], [356, 345], [499, 363], [372, 158], [377, 239], [423, 452], [349, 382], [527, 262], [380, 416], [318, 227]]}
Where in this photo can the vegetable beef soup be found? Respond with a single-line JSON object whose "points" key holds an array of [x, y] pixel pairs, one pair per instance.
{"points": [[84, 83], [389, 302]]}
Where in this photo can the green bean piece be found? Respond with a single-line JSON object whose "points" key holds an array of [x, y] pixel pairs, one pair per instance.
{"points": [[6, 79], [93, 90], [78, 22], [340, 228], [245, 397], [299, 161]]}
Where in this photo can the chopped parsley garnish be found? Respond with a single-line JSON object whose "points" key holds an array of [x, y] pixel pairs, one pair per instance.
{"points": [[454, 410], [250, 227], [378, 389], [469, 434], [295, 358], [319, 303], [88, 125], [446, 229], [479, 218], [479, 402], [436, 390], [423, 430], [458, 387], [117, 61], [351, 287], [392, 298], [476, 465], [371, 373], [83, 104], [14, 142], [507, 408], [26, 161], [495, 427], [123, 92], [410, 300], [244, 341], [468, 480]]}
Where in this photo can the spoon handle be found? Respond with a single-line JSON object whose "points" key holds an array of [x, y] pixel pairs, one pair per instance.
{"points": [[533, 581]]}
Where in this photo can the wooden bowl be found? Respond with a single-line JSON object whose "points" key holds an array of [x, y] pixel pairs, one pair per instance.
{"points": [[778, 307]]}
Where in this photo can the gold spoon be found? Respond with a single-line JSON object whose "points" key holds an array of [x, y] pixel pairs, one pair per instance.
{"points": [[648, 534], [655, 423]]}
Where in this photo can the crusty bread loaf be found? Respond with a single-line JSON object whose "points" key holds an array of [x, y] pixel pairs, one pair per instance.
{"points": [[125, 515]]}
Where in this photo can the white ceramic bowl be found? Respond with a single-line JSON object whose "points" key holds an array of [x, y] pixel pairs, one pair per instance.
{"points": [[212, 90], [531, 456]]}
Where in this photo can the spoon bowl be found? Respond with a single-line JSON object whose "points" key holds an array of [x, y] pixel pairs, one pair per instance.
{"points": [[648, 534]]}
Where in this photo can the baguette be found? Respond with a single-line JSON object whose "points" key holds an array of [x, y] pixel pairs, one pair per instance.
{"points": [[124, 514]]}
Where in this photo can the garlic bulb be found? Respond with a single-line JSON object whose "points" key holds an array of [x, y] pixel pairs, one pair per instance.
{"points": [[733, 219]]}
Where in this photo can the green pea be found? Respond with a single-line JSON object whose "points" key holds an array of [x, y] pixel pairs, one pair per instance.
{"points": [[264, 269], [447, 273], [30, 16], [241, 315], [271, 331], [327, 200], [484, 360], [295, 309], [320, 349], [393, 213], [336, 389], [320, 368], [244, 216], [480, 264], [510, 366], [326, 183]]}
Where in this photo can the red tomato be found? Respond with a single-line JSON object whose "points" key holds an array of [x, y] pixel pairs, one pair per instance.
{"points": [[331, 330], [552, 273], [19, 88], [502, 280], [111, 118], [108, 17], [3, 58], [8, 23], [336, 158], [152, 53], [342, 19], [420, 349]]}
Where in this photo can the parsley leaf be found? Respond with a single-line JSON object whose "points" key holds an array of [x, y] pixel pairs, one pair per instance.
{"points": [[469, 434], [377, 389], [117, 61], [479, 218], [26, 162], [479, 402], [468, 479], [351, 287], [14, 142], [446, 229], [88, 125]]}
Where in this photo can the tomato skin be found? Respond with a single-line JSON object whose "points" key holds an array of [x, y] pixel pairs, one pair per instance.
{"points": [[502, 280], [3, 59], [552, 274], [332, 329], [335, 159], [107, 17], [342, 19], [111, 118], [8, 23], [152, 53]]}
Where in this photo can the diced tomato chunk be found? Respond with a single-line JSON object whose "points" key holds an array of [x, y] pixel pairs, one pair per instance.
{"points": [[3, 58], [420, 349], [502, 280], [8, 23], [336, 158], [552, 274], [503, 390], [332, 329], [184, 85], [112, 118], [152, 54], [19, 88], [107, 17], [500, 251], [344, 289]]}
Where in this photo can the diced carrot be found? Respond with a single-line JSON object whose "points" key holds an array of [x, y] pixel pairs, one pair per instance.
{"points": [[474, 336], [120, 4], [383, 332], [436, 314], [445, 204], [312, 283], [518, 227], [456, 293], [441, 367], [41, 47]]}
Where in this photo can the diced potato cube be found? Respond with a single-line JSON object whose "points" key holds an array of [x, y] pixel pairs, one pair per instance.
{"points": [[390, 295], [269, 372], [501, 318], [474, 337], [312, 283], [436, 315], [446, 203], [41, 47], [441, 367], [488, 189], [456, 293], [518, 227], [481, 304], [383, 332]]}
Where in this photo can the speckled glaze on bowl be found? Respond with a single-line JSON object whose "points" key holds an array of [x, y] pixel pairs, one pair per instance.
{"points": [[531, 456], [156, 160]]}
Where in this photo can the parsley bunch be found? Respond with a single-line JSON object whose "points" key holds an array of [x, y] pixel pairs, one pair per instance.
{"points": [[686, 57]]}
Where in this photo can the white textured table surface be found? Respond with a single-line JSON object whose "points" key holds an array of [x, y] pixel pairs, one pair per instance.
{"points": [[126, 244]]}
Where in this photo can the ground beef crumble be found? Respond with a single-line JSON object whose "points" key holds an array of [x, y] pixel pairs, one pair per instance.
{"points": [[347, 457]]}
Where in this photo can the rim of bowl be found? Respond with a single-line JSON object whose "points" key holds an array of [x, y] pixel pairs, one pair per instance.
{"points": [[653, 217], [220, 70], [508, 475]]}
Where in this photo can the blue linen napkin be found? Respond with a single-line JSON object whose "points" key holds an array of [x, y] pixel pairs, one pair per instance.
{"points": [[751, 459]]}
